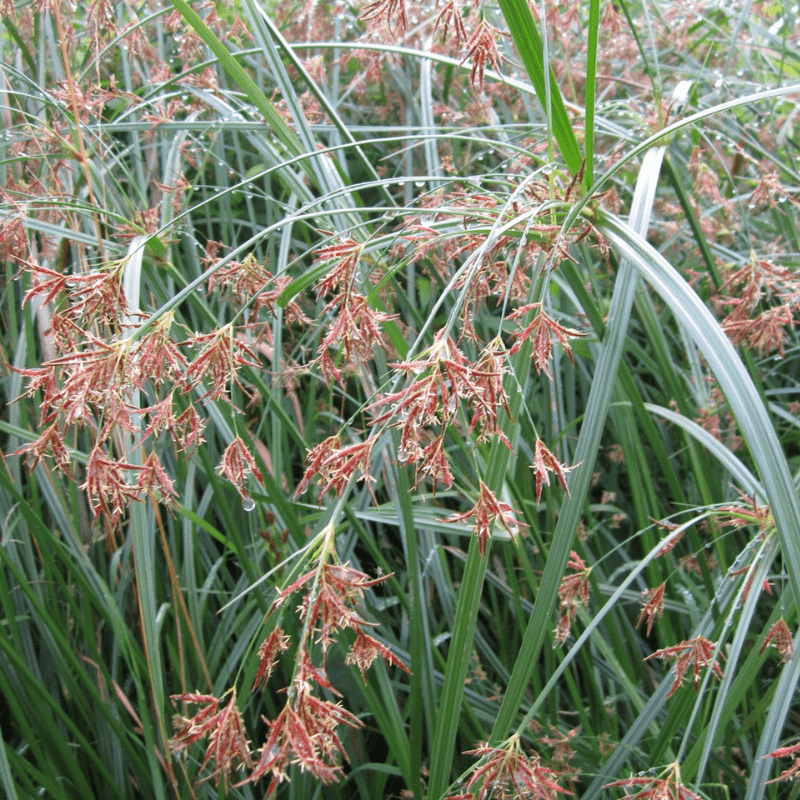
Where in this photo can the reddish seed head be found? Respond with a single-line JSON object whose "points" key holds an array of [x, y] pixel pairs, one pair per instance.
{"points": [[696, 654], [544, 463], [652, 607], [486, 512]]}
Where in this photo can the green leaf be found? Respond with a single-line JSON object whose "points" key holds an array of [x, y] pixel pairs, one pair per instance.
{"points": [[734, 380], [603, 383], [531, 49]]}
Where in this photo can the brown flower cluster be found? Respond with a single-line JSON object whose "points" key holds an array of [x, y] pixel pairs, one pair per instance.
{"points": [[652, 606], [389, 20], [444, 381], [248, 283], [355, 326], [762, 298], [122, 381], [305, 732], [668, 785], [693, 655], [791, 773], [507, 772], [780, 637], [335, 465], [542, 330], [486, 512], [572, 594], [498, 264], [228, 746]]}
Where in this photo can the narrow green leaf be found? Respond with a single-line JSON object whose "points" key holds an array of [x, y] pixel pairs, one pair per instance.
{"points": [[530, 46], [284, 133], [733, 378], [6, 778], [460, 652], [585, 454], [591, 87]]}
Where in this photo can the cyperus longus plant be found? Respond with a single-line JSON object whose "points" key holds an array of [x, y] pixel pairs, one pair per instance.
{"points": [[402, 395]]}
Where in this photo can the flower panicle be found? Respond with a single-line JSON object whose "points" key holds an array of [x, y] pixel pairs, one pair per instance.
{"points": [[486, 512], [443, 382], [652, 607], [573, 592], [791, 773], [236, 465], [329, 606], [482, 50], [505, 772], [335, 465], [668, 785], [544, 463], [390, 13], [542, 330], [228, 746], [304, 733], [693, 655], [780, 637]]}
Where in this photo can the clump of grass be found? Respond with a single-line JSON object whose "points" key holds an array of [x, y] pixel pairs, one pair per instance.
{"points": [[400, 400]]}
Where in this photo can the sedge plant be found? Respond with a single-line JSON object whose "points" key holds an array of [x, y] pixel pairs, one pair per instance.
{"points": [[401, 399]]}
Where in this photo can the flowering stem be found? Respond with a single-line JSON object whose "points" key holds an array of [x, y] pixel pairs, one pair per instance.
{"points": [[585, 454], [470, 593]]}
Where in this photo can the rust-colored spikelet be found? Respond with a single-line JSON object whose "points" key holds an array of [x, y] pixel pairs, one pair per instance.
{"points": [[652, 607], [506, 772], [542, 330], [545, 462], [693, 654], [485, 513], [228, 746], [780, 637], [666, 786], [572, 593], [792, 772]]}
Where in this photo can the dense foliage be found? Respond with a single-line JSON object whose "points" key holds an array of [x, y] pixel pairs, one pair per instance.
{"points": [[401, 400]]}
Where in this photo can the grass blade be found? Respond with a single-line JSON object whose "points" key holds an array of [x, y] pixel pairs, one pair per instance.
{"points": [[529, 43], [735, 382], [585, 454]]}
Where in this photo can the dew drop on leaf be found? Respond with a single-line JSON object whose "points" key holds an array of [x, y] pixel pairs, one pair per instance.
{"points": [[248, 504]]}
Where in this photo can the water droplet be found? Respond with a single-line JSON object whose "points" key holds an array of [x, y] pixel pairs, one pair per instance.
{"points": [[775, 27], [419, 184], [248, 504]]}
